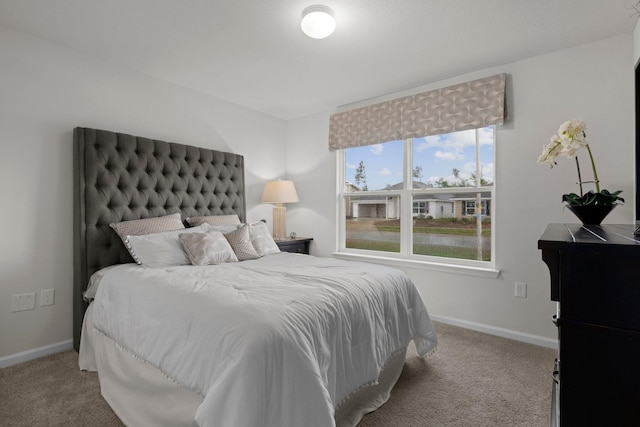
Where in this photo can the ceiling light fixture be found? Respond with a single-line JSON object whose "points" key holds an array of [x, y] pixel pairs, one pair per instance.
{"points": [[318, 21]]}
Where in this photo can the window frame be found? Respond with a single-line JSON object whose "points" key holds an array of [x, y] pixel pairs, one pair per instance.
{"points": [[405, 257]]}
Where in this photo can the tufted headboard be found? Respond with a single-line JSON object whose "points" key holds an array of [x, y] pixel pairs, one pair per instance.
{"points": [[119, 177]]}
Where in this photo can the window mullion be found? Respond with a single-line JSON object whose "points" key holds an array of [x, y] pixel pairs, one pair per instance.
{"points": [[341, 231], [406, 215]]}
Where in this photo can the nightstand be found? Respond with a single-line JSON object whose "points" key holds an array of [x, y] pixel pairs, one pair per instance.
{"points": [[299, 245]]}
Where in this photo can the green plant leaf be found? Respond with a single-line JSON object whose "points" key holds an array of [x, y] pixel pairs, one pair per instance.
{"points": [[604, 197]]}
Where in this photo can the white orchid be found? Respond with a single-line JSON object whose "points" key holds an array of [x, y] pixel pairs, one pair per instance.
{"points": [[571, 138], [550, 151], [573, 129]]}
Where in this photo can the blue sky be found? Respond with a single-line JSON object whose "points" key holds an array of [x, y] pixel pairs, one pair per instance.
{"points": [[437, 155]]}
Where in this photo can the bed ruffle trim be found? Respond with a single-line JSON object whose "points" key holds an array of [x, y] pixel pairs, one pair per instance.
{"points": [[372, 383], [146, 362], [429, 354], [376, 382]]}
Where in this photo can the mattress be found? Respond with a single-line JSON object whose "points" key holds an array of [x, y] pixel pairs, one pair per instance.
{"points": [[287, 339]]}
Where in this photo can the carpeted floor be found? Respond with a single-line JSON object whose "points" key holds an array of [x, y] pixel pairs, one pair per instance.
{"points": [[472, 380]]}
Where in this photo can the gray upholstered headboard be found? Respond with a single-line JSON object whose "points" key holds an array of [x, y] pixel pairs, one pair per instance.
{"points": [[119, 177]]}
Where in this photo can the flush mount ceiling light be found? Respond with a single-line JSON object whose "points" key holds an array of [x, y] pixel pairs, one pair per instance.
{"points": [[318, 21]]}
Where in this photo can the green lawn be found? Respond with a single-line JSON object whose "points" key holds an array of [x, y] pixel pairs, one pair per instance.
{"points": [[437, 230], [374, 245], [443, 226]]}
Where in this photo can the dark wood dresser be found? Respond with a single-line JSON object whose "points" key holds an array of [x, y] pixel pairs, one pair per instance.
{"points": [[298, 245], [595, 278]]}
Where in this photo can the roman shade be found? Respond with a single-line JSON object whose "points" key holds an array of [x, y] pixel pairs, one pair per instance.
{"points": [[469, 105]]}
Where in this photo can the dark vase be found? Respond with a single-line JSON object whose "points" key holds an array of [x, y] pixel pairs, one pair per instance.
{"points": [[591, 214]]}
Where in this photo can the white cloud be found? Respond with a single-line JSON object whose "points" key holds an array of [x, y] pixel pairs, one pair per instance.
{"points": [[486, 170], [485, 136], [469, 167], [385, 171], [422, 145], [449, 155], [350, 166], [456, 140], [376, 149]]}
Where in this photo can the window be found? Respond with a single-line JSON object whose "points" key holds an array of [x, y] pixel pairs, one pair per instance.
{"points": [[470, 207], [421, 198], [419, 208]]}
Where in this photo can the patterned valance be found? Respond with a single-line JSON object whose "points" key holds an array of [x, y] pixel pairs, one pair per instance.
{"points": [[470, 105]]}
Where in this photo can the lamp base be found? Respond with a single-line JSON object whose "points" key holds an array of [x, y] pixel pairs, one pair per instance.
{"points": [[279, 223]]}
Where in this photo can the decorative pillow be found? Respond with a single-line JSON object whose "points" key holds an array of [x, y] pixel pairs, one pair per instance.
{"points": [[138, 227], [207, 248], [224, 228], [262, 240], [240, 241], [214, 220], [159, 250]]}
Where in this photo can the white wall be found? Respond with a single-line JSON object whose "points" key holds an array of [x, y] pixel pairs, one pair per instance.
{"points": [[594, 82], [47, 90]]}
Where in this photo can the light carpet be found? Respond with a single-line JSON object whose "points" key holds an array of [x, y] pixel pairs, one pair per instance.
{"points": [[472, 380]]}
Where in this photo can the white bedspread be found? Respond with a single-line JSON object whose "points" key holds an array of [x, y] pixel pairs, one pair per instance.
{"points": [[277, 341]]}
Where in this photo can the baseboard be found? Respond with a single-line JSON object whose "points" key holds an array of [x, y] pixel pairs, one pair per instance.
{"points": [[14, 359], [501, 332]]}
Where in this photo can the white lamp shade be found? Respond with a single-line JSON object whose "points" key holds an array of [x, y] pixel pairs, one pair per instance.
{"points": [[280, 191], [318, 21]]}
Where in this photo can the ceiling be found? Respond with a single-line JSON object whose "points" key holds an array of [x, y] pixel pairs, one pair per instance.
{"points": [[253, 53]]}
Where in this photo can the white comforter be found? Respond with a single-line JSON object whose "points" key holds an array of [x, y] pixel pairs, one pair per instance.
{"points": [[277, 341]]}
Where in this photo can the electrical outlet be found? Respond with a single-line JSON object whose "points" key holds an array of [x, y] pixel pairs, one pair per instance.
{"points": [[521, 290], [46, 297], [21, 302]]}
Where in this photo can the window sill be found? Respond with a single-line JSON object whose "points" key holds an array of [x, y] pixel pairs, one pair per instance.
{"points": [[488, 273]]}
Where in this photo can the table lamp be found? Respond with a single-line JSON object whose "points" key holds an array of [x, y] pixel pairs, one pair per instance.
{"points": [[279, 192]]}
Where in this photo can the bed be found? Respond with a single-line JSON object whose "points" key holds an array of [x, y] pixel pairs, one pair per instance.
{"points": [[278, 339]]}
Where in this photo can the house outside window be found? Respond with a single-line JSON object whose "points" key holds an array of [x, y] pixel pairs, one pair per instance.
{"points": [[417, 198]]}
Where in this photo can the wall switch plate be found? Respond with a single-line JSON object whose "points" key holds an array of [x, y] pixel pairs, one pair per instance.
{"points": [[46, 297], [22, 302], [521, 290]]}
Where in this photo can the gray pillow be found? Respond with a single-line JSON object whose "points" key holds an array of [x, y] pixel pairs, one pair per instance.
{"points": [[139, 227], [207, 248], [240, 241]]}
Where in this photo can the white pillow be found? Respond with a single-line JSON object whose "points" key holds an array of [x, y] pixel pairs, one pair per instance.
{"points": [[214, 220], [223, 228], [159, 250], [207, 248], [262, 240]]}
